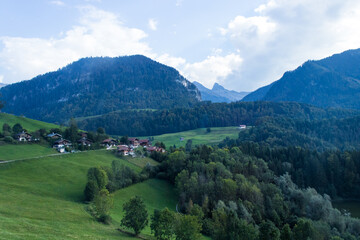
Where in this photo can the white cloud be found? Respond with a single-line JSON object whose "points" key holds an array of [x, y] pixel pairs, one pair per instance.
{"points": [[1, 78], [179, 3], [58, 3], [282, 34], [175, 62], [212, 69], [99, 33], [152, 24]]}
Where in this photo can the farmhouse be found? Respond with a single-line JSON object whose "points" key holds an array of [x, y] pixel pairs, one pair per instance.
{"points": [[125, 150], [134, 142], [242, 126], [108, 143], [84, 142], [54, 136], [24, 137], [155, 149], [62, 143], [144, 142]]}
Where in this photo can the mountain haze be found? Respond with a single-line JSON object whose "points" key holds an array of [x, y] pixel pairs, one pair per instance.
{"points": [[93, 86], [330, 82], [219, 94]]}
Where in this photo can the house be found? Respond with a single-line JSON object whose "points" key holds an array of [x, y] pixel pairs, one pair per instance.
{"points": [[125, 150], [54, 136], [62, 143], [108, 143], [144, 142], [155, 149], [242, 126], [24, 137], [84, 142], [134, 142]]}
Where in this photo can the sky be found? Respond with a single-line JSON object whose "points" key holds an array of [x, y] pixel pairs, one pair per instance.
{"points": [[241, 45]]}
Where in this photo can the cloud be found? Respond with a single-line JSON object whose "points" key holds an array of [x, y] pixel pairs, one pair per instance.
{"points": [[1, 78], [152, 24], [99, 33], [282, 34], [179, 3], [212, 69], [58, 3], [175, 62]]}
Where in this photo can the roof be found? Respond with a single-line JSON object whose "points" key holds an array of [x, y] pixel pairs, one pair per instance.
{"points": [[53, 134], [108, 140], [123, 148]]}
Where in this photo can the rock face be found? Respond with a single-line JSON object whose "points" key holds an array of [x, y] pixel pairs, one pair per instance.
{"points": [[330, 82], [219, 94], [94, 86]]}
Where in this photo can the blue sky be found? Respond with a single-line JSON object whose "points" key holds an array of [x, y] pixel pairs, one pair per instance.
{"points": [[242, 45]]}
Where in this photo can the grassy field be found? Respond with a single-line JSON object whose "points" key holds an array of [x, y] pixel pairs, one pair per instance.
{"points": [[42, 198], [352, 206], [198, 136], [29, 124], [21, 151]]}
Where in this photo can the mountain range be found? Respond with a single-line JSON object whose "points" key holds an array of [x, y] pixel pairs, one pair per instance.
{"points": [[330, 82], [94, 86], [2, 85], [219, 94]]}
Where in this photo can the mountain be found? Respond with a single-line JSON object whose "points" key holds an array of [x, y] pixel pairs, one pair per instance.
{"points": [[330, 82], [219, 94], [94, 86], [2, 85]]}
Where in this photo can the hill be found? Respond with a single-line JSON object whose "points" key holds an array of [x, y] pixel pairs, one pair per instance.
{"points": [[2, 85], [330, 82], [29, 124], [42, 198], [150, 123], [93, 86], [219, 94]]}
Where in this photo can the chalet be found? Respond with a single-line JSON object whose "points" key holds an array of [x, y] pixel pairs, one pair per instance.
{"points": [[62, 143], [24, 137], [242, 126], [125, 150], [155, 149], [84, 142], [134, 142], [144, 142], [54, 136], [108, 143]]}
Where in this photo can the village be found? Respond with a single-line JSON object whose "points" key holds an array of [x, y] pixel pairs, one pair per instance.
{"points": [[126, 147]]}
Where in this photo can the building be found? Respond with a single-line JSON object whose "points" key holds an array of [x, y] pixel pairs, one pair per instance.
{"points": [[242, 126], [125, 150], [108, 143], [84, 142], [144, 142], [62, 143], [54, 136], [134, 142], [24, 137]]}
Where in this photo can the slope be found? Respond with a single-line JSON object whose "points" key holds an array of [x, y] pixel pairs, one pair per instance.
{"points": [[42, 198], [331, 82], [93, 86]]}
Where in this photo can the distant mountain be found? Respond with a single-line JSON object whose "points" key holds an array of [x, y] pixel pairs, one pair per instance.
{"points": [[2, 85], [94, 86], [330, 82], [219, 94]]}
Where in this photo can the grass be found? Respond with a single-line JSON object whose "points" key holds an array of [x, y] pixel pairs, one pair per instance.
{"points": [[29, 124], [352, 206], [42, 198], [21, 151], [141, 162], [198, 136]]}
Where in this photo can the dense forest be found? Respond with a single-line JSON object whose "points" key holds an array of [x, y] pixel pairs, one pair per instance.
{"points": [[232, 195], [147, 122], [93, 86]]}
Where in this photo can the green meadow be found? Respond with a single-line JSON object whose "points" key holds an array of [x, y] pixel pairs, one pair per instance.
{"points": [[24, 151], [27, 123], [198, 136], [42, 198]]}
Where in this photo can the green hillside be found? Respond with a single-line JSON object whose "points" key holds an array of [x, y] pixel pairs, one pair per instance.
{"points": [[29, 124], [42, 198], [24, 151], [198, 136]]}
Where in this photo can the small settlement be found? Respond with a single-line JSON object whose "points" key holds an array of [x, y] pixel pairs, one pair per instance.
{"points": [[129, 149]]}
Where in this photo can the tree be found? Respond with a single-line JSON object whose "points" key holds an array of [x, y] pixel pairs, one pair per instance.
{"points": [[187, 227], [303, 229], [17, 128], [188, 145], [1, 104], [162, 224], [103, 203], [268, 231], [208, 130], [125, 140], [100, 130], [136, 215], [286, 232], [97, 180]]}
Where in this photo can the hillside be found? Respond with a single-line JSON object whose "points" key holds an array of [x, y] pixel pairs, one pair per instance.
{"points": [[219, 94], [27, 123], [93, 86], [330, 82], [2, 85], [150, 123], [42, 198]]}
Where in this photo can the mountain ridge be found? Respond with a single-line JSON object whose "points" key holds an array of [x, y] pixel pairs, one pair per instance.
{"points": [[98, 85], [219, 94]]}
